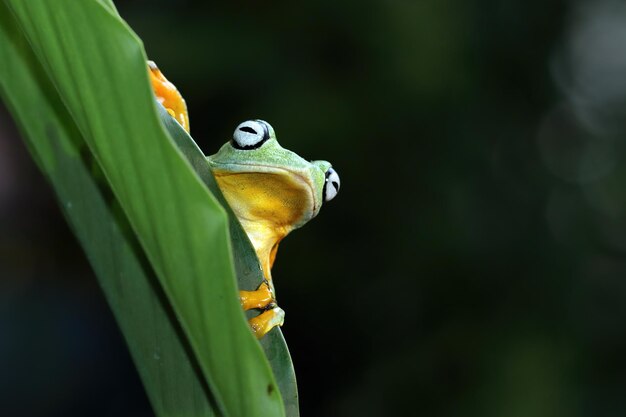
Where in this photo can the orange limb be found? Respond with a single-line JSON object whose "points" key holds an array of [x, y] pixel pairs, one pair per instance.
{"points": [[266, 321], [273, 253], [260, 298], [167, 94]]}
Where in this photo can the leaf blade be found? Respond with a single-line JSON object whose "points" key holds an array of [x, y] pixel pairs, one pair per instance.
{"points": [[169, 209], [174, 385]]}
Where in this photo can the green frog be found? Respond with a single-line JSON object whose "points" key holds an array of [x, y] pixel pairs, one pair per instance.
{"points": [[271, 190]]}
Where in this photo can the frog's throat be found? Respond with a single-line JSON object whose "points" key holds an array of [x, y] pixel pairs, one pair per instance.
{"points": [[221, 169], [269, 205]]}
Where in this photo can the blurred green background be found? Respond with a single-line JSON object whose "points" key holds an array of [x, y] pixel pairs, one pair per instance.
{"points": [[474, 262]]}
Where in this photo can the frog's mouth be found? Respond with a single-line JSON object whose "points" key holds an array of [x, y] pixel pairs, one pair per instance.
{"points": [[220, 169]]}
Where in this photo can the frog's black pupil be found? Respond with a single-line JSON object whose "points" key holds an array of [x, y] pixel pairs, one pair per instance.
{"points": [[248, 129], [336, 185]]}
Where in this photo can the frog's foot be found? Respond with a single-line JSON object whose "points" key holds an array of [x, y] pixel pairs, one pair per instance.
{"points": [[266, 321], [167, 94], [260, 298]]}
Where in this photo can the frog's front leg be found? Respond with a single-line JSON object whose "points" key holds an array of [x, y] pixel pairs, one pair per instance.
{"points": [[266, 321], [262, 298]]}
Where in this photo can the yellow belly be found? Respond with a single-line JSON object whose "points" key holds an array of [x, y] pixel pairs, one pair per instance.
{"points": [[268, 205]]}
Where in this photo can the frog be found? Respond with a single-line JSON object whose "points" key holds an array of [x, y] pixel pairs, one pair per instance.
{"points": [[271, 190]]}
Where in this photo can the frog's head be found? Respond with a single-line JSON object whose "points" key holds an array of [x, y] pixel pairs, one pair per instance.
{"points": [[255, 161]]}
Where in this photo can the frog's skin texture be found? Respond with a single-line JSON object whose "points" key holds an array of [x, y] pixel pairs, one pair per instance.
{"points": [[271, 190]]}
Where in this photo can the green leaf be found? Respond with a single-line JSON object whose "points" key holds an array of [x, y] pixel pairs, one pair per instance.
{"points": [[98, 68], [167, 368]]}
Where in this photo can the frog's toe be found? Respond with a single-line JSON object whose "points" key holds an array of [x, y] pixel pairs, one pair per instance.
{"points": [[266, 321], [167, 94], [259, 298]]}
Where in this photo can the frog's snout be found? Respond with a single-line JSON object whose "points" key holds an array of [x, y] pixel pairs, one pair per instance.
{"points": [[331, 185]]}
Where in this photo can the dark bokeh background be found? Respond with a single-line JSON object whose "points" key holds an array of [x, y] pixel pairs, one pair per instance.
{"points": [[473, 263]]}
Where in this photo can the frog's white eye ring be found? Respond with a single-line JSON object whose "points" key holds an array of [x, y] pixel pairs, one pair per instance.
{"points": [[250, 134], [332, 185]]}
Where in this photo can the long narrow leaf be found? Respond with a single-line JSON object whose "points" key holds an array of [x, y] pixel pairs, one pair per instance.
{"points": [[166, 366], [98, 67]]}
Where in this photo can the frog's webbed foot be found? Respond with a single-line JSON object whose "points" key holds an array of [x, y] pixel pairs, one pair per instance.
{"points": [[167, 94], [262, 298], [266, 321]]}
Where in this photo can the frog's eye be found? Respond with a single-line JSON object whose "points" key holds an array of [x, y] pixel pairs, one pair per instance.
{"points": [[250, 135], [332, 184]]}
